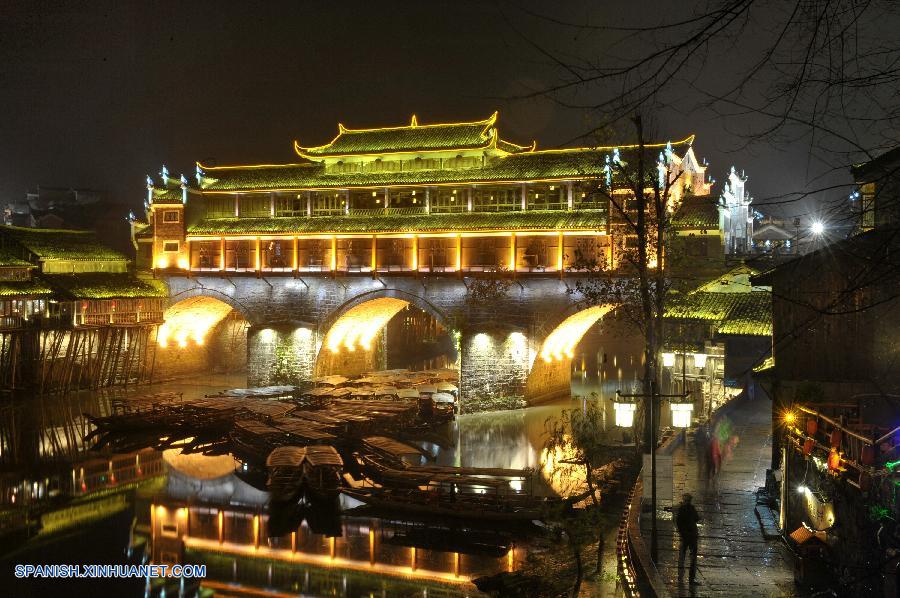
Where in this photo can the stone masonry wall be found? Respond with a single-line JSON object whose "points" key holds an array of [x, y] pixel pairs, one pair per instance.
{"points": [[494, 374]]}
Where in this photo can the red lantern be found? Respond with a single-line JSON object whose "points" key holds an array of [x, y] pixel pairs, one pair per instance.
{"points": [[834, 460], [808, 447], [835, 438], [812, 426], [868, 454]]}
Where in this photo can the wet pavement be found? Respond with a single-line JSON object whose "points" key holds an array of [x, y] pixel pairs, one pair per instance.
{"points": [[733, 557]]}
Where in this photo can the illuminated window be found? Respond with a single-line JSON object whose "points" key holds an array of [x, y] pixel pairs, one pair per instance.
{"points": [[219, 207], [170, 246], [448, 199], [867, 206], [504, 198], [171, 216]]}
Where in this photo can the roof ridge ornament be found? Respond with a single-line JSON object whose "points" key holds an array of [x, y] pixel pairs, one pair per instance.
{"points": [[413, 121], [164, 173]]}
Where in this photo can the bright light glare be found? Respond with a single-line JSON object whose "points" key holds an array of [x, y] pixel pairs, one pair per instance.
{"points": [[817, 228], [625, 414], [681, 414], [789, 417], [561, 342], [802, 489], [191, 319], [362, 323]]}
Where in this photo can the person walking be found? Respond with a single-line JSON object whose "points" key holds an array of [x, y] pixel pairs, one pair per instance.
{"points": [[686, 519]]}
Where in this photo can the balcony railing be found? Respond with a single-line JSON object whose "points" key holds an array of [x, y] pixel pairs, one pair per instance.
{"points": [[388, 211]]}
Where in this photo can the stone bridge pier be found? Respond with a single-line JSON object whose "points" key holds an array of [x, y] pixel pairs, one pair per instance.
{"points": [[514, 349]]}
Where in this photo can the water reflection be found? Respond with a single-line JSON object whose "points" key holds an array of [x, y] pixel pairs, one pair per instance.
{"points": [[168, 507]]}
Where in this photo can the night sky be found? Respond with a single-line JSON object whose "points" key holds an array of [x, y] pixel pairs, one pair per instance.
{"points": [[99, 95]]}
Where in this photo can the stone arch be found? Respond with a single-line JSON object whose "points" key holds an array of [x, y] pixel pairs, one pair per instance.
{"points": [[211, 293], [349, 331], [198, 336], [191, 319], [410, 298], [550, 374]]}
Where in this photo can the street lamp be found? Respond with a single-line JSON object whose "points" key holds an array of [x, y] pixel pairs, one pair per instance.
{"points": [[681, 414], [624, 413], [817, 227]]}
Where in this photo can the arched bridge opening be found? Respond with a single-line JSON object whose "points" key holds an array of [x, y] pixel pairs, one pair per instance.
{"points": [[385, 331], [550, 376], [200, 334]]}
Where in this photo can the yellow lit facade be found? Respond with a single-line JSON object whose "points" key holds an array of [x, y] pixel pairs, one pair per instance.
{"points": [[436, 199]]}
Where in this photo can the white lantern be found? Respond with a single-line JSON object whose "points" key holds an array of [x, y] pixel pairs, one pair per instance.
{"points": [[625, 414], [668, 359], [700, 360], [681, 414]]}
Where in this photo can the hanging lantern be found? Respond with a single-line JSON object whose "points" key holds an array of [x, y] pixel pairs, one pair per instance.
{"points": [[835, 438], [625, 414], [681, 414], [834, 460], [668, 359], [808, 447], [812, 426]]}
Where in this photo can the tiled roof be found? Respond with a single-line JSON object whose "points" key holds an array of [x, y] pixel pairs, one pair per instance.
{"points": [[105, 286], [411, 138], [167, 195], [9, 260], [23, 288], [470, 221], [513, 168], [747, 313], [580, 163], [51, 244], [697, 212], [142, 230]]}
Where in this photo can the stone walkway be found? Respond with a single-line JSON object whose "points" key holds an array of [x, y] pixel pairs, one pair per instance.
{"points": [[733, 557]]}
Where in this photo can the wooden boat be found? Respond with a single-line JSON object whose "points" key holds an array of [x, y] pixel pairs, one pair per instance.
{"points": [[427, 503], [314, 470]]}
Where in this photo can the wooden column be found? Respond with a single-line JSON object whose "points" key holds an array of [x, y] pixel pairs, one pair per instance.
{"points": [[428, 200], [272, 205], [308, 204], [190, 255], [560, 250], [469, 199], [387, 198], [333, 254], [258, 263], [374, 255], [459, 254], [524, 196], [237, 207], [296, 259], [415, 255], [222, 255], [512, 253], [570, 203]]}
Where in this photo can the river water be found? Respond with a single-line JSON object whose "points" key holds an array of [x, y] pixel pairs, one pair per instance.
{"points": [[63, 503]]}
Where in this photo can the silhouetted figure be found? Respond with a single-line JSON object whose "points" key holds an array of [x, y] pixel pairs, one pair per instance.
{"points": [[686, 519]]}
